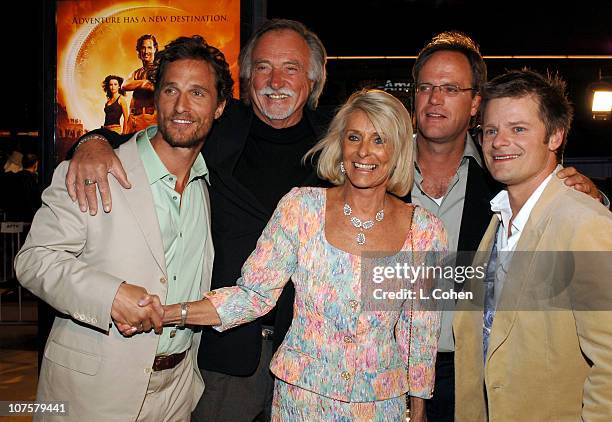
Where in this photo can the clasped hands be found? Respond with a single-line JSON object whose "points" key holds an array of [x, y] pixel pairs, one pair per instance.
{"points": [[134, 310]]}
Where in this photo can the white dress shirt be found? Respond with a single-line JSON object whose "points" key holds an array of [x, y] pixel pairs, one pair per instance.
{"points": [[506, 244]]}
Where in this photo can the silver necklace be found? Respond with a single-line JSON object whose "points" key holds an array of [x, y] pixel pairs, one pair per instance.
{"points": [[362, 225]]}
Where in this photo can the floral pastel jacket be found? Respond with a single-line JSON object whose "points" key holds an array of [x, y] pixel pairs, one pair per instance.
{"points": [[335, 346]]}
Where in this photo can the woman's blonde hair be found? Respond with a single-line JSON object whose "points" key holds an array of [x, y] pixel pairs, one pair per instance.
{"points": [[393, 124]]}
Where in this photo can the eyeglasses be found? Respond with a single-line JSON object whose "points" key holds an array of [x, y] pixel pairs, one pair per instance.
{"points": [[446, 89]]}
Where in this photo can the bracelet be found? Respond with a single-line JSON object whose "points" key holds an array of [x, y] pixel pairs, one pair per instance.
{"points": [[184, 312], [88, 138]]}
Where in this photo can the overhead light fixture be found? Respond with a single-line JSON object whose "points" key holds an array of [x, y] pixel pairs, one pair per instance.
{"points": [[601, 91]]}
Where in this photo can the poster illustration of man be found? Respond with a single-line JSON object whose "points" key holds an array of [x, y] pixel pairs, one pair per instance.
{"points": [[142, 108], [98, 38]]}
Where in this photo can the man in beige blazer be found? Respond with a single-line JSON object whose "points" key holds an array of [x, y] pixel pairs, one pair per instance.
{"points": [[544, 352], [109, 274]]}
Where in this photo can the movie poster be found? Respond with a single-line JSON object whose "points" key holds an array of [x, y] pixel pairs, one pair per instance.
{"points": [[104, 48]]}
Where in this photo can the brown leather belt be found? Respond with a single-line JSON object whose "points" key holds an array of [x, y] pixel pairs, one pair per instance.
{"points": [[168, 361], [142, 110]]}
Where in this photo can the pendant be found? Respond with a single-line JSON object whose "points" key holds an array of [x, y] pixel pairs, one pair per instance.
{"points": [[367, 224], [361, 238], [362, 225]]}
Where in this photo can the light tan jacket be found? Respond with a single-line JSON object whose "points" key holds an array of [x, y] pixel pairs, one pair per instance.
{"points": [[76, 262], [550, 348]]}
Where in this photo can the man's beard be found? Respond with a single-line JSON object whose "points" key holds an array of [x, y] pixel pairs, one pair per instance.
{"points": [[191, 141], [278, 115]]}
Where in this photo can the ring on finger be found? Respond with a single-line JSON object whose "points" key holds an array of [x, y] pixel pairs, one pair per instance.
{"points": [[88, 182]]}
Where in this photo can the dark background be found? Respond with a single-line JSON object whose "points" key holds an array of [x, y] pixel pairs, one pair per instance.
{"points": [[363, 28], [509, 28], [401, 27]]}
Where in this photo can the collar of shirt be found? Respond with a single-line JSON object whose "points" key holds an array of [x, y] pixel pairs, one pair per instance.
{"points": [[449, 208], [469, 150], [155, 168], [500, 205]]}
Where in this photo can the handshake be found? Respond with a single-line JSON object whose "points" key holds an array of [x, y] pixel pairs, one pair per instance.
{"points": [[134, 310]]}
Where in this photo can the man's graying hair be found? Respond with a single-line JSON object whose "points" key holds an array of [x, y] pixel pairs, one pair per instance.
{"points": [[318, 57]]}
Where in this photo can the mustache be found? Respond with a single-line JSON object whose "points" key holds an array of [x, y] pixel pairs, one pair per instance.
{"points": [[268, 91]]}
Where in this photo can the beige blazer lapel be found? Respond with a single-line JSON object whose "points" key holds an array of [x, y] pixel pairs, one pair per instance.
{"points": [[481, 259], [467, 322], [486, 244], [512, 296], [467, 328], [519, 284], [139, 199]]}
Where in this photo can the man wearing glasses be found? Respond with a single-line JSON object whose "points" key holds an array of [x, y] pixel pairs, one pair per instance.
{"points": [[450, 179]]}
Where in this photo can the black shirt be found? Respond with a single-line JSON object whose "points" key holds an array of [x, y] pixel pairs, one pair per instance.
{"points": [[271, 162]]}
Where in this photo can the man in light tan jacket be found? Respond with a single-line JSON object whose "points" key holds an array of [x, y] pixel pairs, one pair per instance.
{"points": [[109, 274], [535, 343]]}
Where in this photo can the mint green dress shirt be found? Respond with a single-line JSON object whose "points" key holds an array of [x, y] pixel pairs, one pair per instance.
{"points": [[183, 224]]}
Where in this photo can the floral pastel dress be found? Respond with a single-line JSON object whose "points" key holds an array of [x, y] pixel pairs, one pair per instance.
{"points": [[338, 361]]}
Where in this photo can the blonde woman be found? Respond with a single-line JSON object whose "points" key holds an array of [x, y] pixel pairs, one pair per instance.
{"points": [[340, 361]]}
